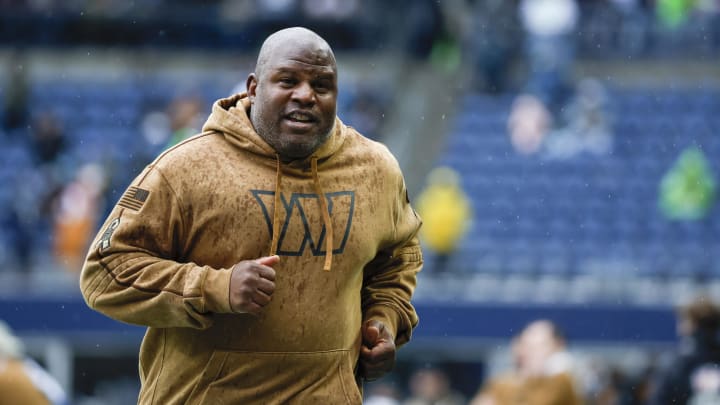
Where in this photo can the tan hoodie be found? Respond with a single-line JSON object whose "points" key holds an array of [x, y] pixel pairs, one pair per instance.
{"points": [[163, 259]]}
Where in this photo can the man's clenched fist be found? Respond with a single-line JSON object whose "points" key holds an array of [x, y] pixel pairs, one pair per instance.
{"points": [[377, 354], [252, 284]]}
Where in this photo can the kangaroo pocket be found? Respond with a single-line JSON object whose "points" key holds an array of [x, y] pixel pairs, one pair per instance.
{"points": [[233, 377]]}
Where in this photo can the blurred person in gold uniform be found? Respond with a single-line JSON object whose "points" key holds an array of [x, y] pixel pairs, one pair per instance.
{"points": [[542, 373]]}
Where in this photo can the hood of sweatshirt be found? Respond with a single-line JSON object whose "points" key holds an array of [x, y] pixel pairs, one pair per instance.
{"points": [[230, 117]]}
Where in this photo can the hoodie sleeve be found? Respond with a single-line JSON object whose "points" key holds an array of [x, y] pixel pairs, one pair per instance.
{"points": [[390, 278], [132, 273]]}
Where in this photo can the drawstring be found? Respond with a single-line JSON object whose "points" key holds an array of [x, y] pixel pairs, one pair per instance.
{"points": [[276, 209], [323, 206], [325, 214]]}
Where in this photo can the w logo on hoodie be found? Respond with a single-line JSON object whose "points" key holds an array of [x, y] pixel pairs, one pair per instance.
{"points": [[296, 232]]}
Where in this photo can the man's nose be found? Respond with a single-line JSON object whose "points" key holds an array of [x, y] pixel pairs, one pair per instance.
{"points": [[304, 94]]}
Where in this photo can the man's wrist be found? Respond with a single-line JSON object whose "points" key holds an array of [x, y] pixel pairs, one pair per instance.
{"points": [[386, 315]]}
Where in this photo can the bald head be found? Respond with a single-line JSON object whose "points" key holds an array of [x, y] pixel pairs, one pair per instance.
{"points": [[295, 38], [293, 92]]}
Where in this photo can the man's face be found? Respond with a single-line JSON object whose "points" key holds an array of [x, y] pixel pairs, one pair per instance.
{"points": [[294, 100]]}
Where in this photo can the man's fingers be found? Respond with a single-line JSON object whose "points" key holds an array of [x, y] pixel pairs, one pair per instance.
{"points": [[376, 354], [252, 285], [371, 334], [261, 298], [373, 369], [267, 273], [381, 354], [266, 286]]}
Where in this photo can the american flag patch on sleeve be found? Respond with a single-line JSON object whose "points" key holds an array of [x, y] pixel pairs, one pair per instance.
{"points": [[134, 198]]}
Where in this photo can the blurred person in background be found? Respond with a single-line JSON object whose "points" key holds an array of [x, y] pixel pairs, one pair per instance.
{"points": [[495, 46], [549, 26], [22, 380], [366, 111], [544, 372], [48, 138], [528, 124], [446, 213], [186, 116], [35, 160], [583, 127], [165, 126], [272, 257], [673, 14], [687, 191], [425, 23], [585, 124], [693, 376], [431, 386], [76, 214]]}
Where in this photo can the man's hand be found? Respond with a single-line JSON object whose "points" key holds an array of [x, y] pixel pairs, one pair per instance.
{"points": [[377, 354], [252, 284]]}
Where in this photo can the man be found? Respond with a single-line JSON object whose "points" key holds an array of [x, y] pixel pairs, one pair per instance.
{"points": [[273, 256]]}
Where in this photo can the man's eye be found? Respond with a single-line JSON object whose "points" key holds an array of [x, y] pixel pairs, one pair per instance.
{"points": [[322, 87], [287, 80]]}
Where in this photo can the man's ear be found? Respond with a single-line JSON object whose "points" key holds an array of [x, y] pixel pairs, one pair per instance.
{"points": [[251, 85]]}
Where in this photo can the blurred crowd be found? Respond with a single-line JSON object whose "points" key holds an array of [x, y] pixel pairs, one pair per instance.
{"points": [[541, 367], [523, 48], [529, 50], [490, 33], [553, 114]]}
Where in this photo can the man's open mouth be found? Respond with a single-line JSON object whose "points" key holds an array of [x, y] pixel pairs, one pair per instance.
{"points": [[300, 116]]}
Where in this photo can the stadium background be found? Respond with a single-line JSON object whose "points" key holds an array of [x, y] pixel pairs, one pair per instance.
{"points": [[585, 234]]}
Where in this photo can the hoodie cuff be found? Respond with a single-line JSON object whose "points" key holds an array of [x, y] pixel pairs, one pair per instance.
{"points": [[216, 291], [385, 314]]}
